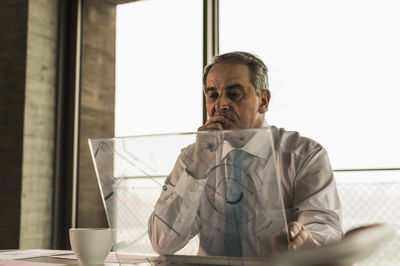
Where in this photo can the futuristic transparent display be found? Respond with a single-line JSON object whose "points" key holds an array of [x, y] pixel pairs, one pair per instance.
{"points": [[134, 171]]}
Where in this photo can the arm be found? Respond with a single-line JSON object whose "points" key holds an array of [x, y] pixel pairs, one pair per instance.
{"points": [[316, 202], [175, 220]]}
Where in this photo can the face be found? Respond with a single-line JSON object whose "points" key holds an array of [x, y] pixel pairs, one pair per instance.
{"points": [[229, 93]]}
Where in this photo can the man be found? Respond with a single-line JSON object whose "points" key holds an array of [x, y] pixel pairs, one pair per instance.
{"points": [[237, 97]]}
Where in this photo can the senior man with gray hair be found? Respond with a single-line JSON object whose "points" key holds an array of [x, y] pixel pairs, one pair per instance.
{"points": [[237, 97]]}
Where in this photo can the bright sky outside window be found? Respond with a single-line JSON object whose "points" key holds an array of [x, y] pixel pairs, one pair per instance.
{"points": [[333, 71], [158, 67]]}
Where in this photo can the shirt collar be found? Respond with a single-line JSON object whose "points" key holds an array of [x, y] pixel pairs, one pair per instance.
{"points": [[258, 145]]}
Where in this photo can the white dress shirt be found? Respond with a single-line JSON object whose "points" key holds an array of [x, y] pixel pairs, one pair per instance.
{"points": [[189, 206]]}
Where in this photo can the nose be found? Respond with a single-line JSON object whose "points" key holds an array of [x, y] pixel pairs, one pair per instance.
{"points": [[222, 104]]}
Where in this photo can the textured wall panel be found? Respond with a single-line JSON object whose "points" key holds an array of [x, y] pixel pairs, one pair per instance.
{"points": [[97, 102], [38, 145]]}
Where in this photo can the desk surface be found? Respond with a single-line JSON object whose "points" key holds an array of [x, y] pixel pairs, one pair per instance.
{"points": [[127, 259], [57, 257], [357, 246]]}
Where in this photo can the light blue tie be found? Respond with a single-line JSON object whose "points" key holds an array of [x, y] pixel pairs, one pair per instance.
{"points": [[233, 207]]}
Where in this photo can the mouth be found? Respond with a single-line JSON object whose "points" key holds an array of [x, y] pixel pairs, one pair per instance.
{"points": [[228, 124], [229, 120], [227, 117]]}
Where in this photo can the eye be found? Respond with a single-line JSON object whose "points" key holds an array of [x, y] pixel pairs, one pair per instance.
{"points": [[212, 96], [234, 95]]}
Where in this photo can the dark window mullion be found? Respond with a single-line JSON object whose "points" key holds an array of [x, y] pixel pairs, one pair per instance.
{"points": [[210, 37]]}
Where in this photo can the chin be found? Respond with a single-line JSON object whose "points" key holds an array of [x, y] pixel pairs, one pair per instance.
{"points": [[230, 125]]}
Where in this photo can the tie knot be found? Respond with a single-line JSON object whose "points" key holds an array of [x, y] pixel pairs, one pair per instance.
{"points": [[237, 156]]}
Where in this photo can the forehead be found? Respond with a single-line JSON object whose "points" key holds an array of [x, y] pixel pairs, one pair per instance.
{"points": [[222, 74]]}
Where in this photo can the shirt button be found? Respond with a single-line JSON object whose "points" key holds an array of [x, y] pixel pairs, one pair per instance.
{"points": [[164, 187]]}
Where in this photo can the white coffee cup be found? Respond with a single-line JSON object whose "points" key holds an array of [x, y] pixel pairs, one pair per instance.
{"points": [[91, 245]]}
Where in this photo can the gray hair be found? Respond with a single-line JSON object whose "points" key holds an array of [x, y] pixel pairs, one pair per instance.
{"points": [[258, 70]]}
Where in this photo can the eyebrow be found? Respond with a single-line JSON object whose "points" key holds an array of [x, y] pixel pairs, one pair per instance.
{"points": [[230, 87], [210, 89], [234, 86]]}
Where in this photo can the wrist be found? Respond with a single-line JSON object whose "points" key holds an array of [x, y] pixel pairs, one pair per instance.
{"points": [[196, 171]]}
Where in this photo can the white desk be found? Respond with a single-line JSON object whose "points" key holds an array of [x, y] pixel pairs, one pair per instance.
{"points": [[355, 247]]}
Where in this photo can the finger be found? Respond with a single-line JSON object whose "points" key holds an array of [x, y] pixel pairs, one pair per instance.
{"points": [[218, 118], [216, 122], [294, 229], [214, 126], [299, 240], [211, 126], [279, 242], [296, 242]]}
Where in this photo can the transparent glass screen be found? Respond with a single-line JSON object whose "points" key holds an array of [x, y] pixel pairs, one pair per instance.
{"points": [[147, 187]]}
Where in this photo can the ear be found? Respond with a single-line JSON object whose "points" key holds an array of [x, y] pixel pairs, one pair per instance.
{"points": [[265, 96]]}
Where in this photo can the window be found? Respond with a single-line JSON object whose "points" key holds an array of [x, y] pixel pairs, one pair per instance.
{"points": [[158, 67], [333, 68], [333, 71], [158, 78]]}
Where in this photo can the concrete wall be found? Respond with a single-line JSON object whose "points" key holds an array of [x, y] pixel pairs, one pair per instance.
{"points": [[39, 115], [28, 40], [28, 83]]}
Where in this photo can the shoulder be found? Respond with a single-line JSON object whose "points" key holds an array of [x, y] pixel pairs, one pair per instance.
{"points": [[293, 142]]}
